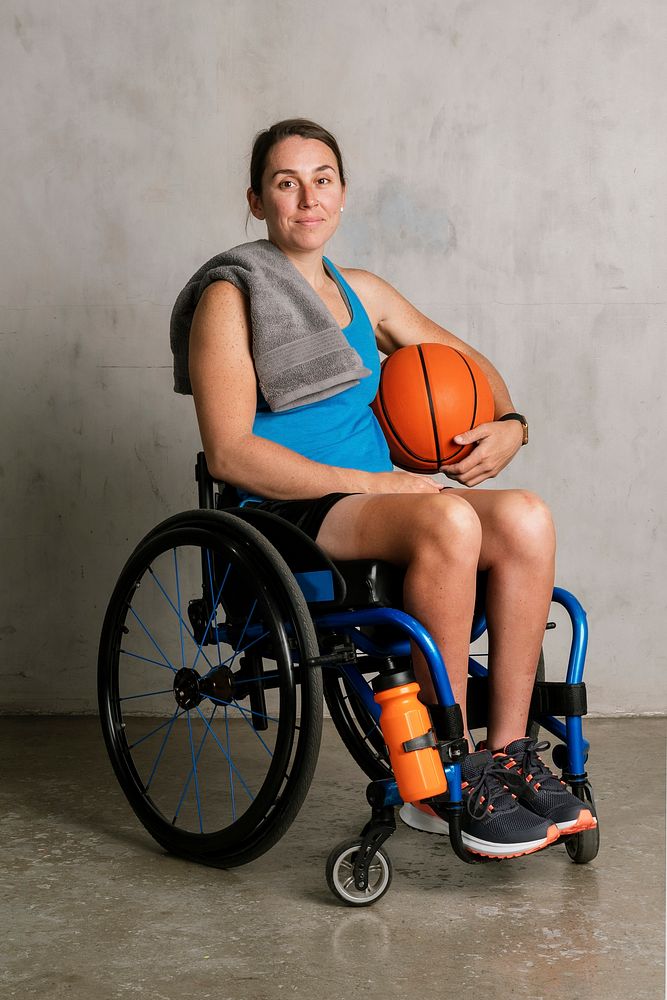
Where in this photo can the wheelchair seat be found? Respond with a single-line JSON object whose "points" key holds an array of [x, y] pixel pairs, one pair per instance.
{"points": [[327, 584]]}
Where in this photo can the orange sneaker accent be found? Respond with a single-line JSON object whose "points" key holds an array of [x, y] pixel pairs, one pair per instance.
{"points": [[585, 821]]}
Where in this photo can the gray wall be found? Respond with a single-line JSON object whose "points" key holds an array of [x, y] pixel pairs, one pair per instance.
{"points": [[504, 159]]}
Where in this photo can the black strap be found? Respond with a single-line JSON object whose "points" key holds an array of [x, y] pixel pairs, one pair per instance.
{"points": [[549, 698], [421, 742], [559, 698], [447, 721]]}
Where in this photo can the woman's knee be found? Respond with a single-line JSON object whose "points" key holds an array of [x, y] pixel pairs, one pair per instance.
{"points": [[442, 522], [524, 522]]}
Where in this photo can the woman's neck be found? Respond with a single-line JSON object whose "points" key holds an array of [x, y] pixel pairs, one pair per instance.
{"points": [[309, 264]]}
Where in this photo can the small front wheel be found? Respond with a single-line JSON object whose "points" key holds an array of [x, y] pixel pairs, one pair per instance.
{"points": [[583, 847], [340, 874]]}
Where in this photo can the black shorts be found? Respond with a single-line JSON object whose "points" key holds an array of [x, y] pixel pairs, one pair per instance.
{"points": [[305, 514]]}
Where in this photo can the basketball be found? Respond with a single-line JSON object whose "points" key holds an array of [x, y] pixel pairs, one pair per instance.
{"points": [[427, 394]]}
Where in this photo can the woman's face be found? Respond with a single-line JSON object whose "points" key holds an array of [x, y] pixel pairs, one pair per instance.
{"points": [[302, 194]]}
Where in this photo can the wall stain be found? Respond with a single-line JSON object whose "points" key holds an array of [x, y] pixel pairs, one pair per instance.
{"points": [[155, 489], [20, 32]]}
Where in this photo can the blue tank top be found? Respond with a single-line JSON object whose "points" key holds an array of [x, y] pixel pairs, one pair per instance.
{"points": [[340, 430]]}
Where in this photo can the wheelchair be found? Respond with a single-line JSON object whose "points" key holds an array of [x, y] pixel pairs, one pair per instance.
{"points": [[227, 631]]}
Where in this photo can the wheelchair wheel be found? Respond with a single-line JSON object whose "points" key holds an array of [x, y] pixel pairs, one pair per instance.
{"points": [[583, 847], [340, 874], [356, 726], [211, 713]]}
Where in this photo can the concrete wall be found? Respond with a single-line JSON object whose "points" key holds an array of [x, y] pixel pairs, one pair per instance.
{"points": [[504, 160]]}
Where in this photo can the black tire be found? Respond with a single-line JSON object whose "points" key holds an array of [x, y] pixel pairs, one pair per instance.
{"points": [[355, 725], [583, 847], [227, 799], [340, 864]]}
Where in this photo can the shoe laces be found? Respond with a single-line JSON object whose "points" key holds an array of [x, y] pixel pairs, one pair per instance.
{"points": [[487, 790], [531, 766]]}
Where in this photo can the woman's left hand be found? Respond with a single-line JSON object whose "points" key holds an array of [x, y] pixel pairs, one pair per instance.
{"points": [[496, 444]]}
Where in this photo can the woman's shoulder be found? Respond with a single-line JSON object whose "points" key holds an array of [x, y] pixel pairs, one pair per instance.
{"points": [[371, 289]]}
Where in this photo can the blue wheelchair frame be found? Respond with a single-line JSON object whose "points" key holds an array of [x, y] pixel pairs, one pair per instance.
{"points": [[571, 732]]}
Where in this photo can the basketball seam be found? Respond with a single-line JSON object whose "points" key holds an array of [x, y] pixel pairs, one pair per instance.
{"points": [[397, 436], [474, 409], [427, 386]]}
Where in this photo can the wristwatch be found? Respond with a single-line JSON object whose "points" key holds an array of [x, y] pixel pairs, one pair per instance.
{"points": [[522, 420]]}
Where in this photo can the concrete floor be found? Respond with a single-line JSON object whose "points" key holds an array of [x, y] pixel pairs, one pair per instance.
{"points": [[92, 908]]}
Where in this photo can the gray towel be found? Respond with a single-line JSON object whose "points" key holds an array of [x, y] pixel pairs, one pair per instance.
{"points": [[301, 354]]}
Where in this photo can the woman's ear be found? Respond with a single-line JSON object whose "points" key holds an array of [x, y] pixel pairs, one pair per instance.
{"points": [[255, 203]]}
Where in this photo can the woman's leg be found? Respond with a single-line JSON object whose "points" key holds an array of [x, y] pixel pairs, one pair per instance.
{"points": [[442, 539], [518, 551], [437, 538]]}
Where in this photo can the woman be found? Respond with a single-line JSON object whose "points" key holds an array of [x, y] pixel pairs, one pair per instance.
{"points": [[326, 467]]}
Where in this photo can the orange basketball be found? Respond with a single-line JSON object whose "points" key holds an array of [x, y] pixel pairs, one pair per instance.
{"points": [[427, 394]]}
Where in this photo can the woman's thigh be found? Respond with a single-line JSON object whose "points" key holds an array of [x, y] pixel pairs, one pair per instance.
{"points": [[391, 526]]}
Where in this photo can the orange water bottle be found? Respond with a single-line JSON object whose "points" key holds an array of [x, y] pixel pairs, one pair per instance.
{"points": [[419, 772]]}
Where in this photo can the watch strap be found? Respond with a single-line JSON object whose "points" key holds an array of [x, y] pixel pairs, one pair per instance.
{"points": [[522, 420]]}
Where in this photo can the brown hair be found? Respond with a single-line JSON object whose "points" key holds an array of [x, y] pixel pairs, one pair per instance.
{"points": [[264, 141]]}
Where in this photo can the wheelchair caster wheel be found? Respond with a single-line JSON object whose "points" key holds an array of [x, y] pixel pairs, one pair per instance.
{"points": [[340, 874], [583, 847]]}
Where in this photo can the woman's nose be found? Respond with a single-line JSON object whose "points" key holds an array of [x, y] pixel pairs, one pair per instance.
{"points": [[309, 197]]}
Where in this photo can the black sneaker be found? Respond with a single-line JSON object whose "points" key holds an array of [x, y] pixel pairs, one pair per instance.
{"points": [[542, 792], [493, 823]]}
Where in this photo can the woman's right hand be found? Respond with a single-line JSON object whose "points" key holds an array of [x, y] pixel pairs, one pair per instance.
{"points": [[402, 482]]}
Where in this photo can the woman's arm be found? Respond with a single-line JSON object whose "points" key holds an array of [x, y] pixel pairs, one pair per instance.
{"points": [[397, 323], [224, 387]]}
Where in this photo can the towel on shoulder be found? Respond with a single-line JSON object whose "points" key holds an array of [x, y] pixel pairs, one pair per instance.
{"points": [[300, 352]]}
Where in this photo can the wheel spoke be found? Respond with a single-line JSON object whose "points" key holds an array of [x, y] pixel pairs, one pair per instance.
{"points": [[226, 756], [191, 771], [245, 712], [194, 769], [167, 661], [239, 652], [161, 750], [210, 619], [182, 621], [147, 694], [146, 659], [169, 722], [231, 773], [180, 614], [240, 642], [210, 585]]}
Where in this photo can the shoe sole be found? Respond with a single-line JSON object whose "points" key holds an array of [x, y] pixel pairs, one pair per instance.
{"points": [[584, 821], [418, 820]]}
